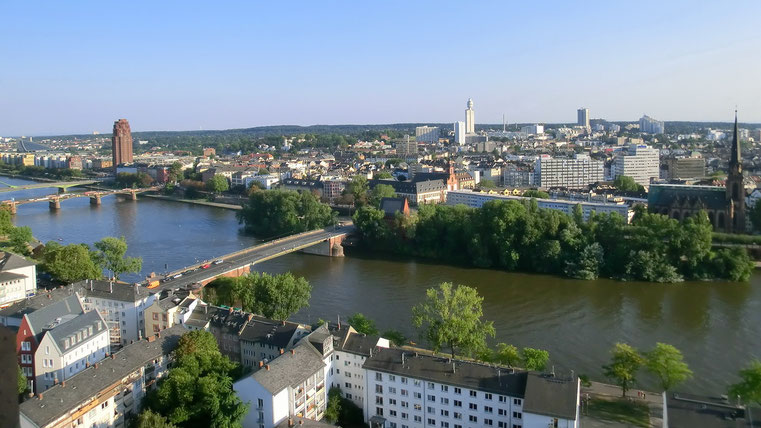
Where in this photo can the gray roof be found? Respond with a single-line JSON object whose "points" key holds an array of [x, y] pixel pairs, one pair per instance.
{"points": [[551, 396], [110, 290], [79, 324], [45, 317], [348, 340], [391, 205], [687, 410], [290, 369], [43, 299], [304, 423], [263, 330], [89, 383], [411, 187], [12, 261], [10, 276], [439, 369], [709, 197]]}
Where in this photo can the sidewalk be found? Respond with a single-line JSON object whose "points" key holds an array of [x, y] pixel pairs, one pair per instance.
{"points": [[654, 400]]}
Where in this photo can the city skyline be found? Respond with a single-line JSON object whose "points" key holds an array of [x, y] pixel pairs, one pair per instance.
{"points": [[242, 66]]}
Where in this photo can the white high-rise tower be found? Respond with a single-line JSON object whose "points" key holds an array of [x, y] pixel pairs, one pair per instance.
{"points": [[470, 118]]}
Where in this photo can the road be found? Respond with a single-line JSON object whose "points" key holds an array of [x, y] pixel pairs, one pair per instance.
{"points": [[257, 254]]}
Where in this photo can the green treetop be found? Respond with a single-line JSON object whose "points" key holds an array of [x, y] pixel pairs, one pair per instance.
{"points": [[624, 365]]}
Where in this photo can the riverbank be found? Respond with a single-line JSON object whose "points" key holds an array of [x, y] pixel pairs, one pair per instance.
{"points": [[27, 177], [195, 202]]}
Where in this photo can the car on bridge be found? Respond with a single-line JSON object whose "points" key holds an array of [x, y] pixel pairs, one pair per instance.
{"points": [[218, 262], [206, 266]]}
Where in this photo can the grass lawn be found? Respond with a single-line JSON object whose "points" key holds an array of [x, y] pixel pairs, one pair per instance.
{"points": [[622, 411]]}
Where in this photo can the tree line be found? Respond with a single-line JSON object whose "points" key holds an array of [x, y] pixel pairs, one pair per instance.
{"points": [[277, 213], [273, 296], [519, 236]]}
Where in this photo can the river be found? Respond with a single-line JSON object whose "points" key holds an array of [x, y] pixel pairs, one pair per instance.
{"points": [[716, 325]]}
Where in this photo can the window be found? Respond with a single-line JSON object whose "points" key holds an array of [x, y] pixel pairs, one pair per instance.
{"points": [[405, 404], [432, 422], [418, 418], [47, 350], [517, 401], [392, 413], [445, 425], [487, 396], [444, 412], [418, 395], [416, 382], [430, 385], [457, 403], [379, 400], [404, 393], [348, 385], [418, 407], [26, 346], [517, 415], [488, 409], [155, 316], [378, 389], [430, 409], [488, 422], [444, 401], [502, 412], [379, 411], [378, 376], [472, 418], [391, 401], [457, 415], [163, 317], [444, 388], [502, 399], [473, 406], [391, 390], [432, 398], [472, 393], [405, 416], [404, 380], [555, 423], [391, 378], [458, 391], [260, 403]]}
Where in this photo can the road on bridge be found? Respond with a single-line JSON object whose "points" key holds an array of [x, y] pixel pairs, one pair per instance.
{"points": [[257, 254], [59, 184]]}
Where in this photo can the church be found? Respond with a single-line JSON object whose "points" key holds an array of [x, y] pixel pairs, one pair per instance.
{"points": [[725, 206]]}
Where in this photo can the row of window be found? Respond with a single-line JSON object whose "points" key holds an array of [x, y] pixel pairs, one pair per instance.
{"points": [[443, 388]]}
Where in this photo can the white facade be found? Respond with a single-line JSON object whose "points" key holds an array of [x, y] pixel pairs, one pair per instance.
{"points": [[459, 133], [18, 279], [470, 118], [639, 162], [477, 200], [427, 134], [533, 129], [576, 173], [124, 315], [651, 126]]}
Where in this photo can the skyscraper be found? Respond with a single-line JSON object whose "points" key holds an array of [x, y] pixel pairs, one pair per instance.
{"points": [[470, 118], [582, 117], [121, 143], [459, 133]]}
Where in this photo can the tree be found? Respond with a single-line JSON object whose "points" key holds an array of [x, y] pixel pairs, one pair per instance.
{"points": [[539, 194], [277, 213], [198, 390], [624, 183], [507, 355], [70, 263], [383, 175], [362, 324], [395, 336], [217, 184], [749, 387], [110, 255], [21, 381], [333, 409], [379, 192], [359, 187], [19, 238], [6, 221], [535, 359], [755, 214], [452, 318], [623, 367], [280, 296], [176, 172], [150, 419], [487, 184], [666, 362]]}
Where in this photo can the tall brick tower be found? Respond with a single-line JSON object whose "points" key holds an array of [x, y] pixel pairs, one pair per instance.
{"points": [[121, 143]]}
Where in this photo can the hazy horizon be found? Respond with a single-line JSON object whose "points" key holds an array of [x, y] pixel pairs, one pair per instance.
{"points": [[74, 68]]}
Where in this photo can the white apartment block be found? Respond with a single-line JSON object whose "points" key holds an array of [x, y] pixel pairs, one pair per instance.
{"points": [[478, 199], [406, 390], [71, 344], [576, 173], [121, 305], [459, 133], [18, 278], [651, 126], [107, 393], [638, 161], [427, 134]]}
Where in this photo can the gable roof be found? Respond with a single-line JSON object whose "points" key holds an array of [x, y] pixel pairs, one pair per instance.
{"points": [[71, 329], [110, 290], [10, 261], [47, 317], [41, 300], [290, 369], [551, 396], [391, 205], [263, 330]]}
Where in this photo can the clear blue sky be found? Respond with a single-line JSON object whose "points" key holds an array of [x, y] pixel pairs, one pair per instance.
{"points": [[75, 67]]}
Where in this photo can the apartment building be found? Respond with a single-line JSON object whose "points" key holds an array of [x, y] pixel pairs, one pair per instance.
{"points": [[576, 173], [168, 309], [18, 278], [72, 343], [407, 389], [262, 340], [108, 393], [638, 161]]}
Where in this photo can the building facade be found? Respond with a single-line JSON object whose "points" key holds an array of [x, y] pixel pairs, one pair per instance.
{"points": [[18, 278], [459, 133], [638, 161], [576, 173], [582, 117], [651, 126], [470, 118], [121, 143], [427, 134]]}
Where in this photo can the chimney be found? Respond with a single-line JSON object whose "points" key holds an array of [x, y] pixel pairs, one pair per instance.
{"points": [[96, 365], [87, 364], [39, 396], [250, 317], [63, 384], [267, 367], [282, 322], [113, 357], [158, 334], [110, 286], [261, 364], [282, 351], [454, 367], [49, 296], [293, 352], [402, 359], [301, 422], [290, 422], [55, 381], [91, 281], [205, 309], [229, 311]]}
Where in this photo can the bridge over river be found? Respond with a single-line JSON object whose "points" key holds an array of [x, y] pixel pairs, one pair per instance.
{"points": [[54, 200], [61, 185], [322, 241]]}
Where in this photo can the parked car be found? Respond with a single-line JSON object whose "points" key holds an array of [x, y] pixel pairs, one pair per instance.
{"points": [[206, 266], [218, 262]]}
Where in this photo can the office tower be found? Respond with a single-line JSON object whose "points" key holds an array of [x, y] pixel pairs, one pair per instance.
{"points": [[651, 126], [121, 143], [639, 162], [459, 132], [407, 147], [427, 134], [576, 173], [582, 117], [470, 118]]}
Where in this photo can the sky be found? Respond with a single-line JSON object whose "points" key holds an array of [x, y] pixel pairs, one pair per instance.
{"points": [[75, 67]]}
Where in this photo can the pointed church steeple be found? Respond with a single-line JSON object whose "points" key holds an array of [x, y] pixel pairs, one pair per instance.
{"points": [[735, 186], [735, 159]]}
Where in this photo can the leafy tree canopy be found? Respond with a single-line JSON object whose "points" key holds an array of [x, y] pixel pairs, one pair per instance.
{"points": [[666, 363], [362, 324], [110, 255], [278, 213], [749, 387], [69, 263], [624, 365]]}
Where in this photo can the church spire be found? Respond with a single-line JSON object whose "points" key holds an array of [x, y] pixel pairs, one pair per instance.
{"points": [[735, 159]]}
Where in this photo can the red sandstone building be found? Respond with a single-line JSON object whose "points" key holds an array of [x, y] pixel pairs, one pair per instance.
{"points": [[121, 143]]}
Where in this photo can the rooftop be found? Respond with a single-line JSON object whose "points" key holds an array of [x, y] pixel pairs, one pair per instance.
{"points": [[54, 313], [88, 384], [77, 331], [9, 261], [290, 369], [110, 290], [43, 299], [276, 333]]}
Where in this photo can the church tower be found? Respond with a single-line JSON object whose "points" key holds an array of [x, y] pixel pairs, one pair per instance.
{"points": [[735, 189]]}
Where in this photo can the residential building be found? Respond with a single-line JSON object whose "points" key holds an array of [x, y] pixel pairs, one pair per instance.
{"points": [[459, 133], [533, 129], [262, 340], [18, 278], [108, 393], [121, 143], [332, 189], [391, 206], [519, 176], [167, 310], [68, 346], [417, 192], [478, 199], [427, 134], [638, 161], [576, 173], [209, 151], [12, 315], [651, 126], [121, 305], [407, 147], [304, 185], [226, 324], [582, 117], [406, 388], [33, 326], [470, 118], [686, 167], [292, 385]]}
